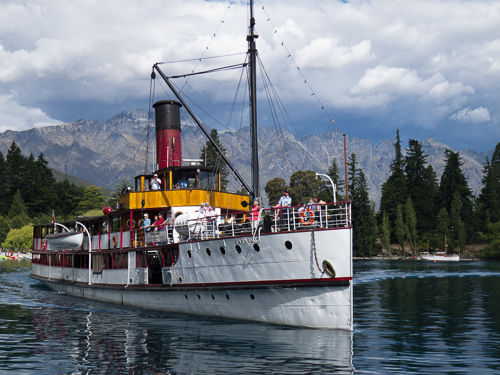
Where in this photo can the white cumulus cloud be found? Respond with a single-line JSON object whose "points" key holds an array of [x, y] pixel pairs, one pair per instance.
{"points": [[473, 116]]}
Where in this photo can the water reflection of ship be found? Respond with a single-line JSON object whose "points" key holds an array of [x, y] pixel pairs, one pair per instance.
{"points": [[96, 342]]}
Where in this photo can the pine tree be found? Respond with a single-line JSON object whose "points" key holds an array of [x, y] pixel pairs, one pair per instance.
{"points": [[453, 181], [489, 199], [394, 191], [400, 228], [443, 228], [18, 216], [15, 170], [421, 186], [411, 225], [66, 202], [3, 186], [39, 193], [212, 158], [385, 232], [4, 229], [334, 173], [363, 215]]}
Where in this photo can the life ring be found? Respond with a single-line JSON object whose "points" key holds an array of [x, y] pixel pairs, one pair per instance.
{"points": [[114, 242], [311, 214], [328, 268], [133, 224]]}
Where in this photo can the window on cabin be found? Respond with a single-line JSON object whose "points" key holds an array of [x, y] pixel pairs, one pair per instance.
{"points": [[115, 224], [208, 180]]}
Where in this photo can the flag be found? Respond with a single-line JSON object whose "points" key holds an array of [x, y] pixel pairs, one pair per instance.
{"points": [[53, 217]]}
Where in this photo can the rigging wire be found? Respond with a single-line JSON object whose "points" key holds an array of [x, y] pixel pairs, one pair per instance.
{"points": [[293, 60]]}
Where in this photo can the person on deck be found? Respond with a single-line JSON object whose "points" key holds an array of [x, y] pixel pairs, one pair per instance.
{"points": [[146, 224], [155, 183], [159, 223], [285, 203], [255, 214], [183, 183]]}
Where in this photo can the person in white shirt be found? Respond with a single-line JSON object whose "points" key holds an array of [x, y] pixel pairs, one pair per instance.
{"points": [[155, 183]]}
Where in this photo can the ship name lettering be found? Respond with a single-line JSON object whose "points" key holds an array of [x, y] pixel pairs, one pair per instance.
{"points": [[247, 240]]}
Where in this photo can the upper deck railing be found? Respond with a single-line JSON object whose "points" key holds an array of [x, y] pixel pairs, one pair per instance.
{"points": [[296, 218]]}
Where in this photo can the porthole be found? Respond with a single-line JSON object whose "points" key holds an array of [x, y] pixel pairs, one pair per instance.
{"points": [[238, 249], [185, 295], [222, 250], [227, 296], [199, 296], [256, 247], [208, 251], [180, 279], [252, 296], [189, 253], [288, 245], [213, 296]]}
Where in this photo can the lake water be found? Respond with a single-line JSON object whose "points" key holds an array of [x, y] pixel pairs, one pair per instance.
{"points": [[409, 317]]}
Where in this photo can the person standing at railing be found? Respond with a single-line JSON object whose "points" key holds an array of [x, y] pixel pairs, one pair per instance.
{"points": [[322, 212], [313, 206], [146, 223], [285, 202], [255, 214], [158, 224]]}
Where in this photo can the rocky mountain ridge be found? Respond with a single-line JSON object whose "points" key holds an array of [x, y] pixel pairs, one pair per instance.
{"points": [[105, 152]]}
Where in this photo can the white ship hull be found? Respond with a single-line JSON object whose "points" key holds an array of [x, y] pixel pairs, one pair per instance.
{"points": [[273, 285]]}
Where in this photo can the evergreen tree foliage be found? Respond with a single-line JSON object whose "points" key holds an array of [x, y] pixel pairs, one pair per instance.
{"points": [[411, 225], [65, 204], [4, 229], [394, 189], [421, 186], [274, 190], [15, 171], [385, 232], [400, 227], [489, 199], [3, 185], [363, 215], [303, 185], [334, 173], [457, 227], [492, 250], [39, 193], [212, 158], [453, 181], [93, 200], [442, 229], [18, 216]]}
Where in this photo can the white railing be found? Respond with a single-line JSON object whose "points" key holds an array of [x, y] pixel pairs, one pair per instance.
{"points": [[296, 218]]}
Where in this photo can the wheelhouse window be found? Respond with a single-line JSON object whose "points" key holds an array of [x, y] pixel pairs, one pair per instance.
{"points": [[208, 180]]}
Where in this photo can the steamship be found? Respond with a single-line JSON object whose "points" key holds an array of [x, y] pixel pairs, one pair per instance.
{"points": [[286, 266]]}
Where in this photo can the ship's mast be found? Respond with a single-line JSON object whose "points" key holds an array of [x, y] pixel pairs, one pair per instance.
{"points": [[252, 50]]}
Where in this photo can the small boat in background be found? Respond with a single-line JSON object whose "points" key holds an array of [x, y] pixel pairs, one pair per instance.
{"points": [[64, 240], [440, 256]]}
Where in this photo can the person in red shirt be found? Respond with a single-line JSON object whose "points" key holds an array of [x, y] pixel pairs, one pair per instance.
{"points": [[158, 224]]}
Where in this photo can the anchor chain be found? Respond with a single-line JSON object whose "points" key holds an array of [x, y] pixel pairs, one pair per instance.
{"points": [[313, 239]]}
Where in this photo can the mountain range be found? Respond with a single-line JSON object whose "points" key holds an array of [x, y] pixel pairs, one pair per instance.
{"points": [[104, 153]]}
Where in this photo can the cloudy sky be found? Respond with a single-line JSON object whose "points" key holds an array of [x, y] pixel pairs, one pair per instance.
{"points": [[429, 68]]}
